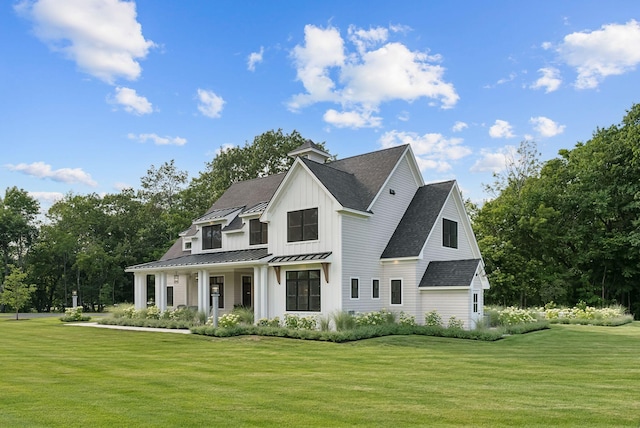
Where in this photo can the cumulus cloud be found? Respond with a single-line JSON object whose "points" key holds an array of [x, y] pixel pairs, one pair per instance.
{"points": [[495, 161], [210, 104], [501, 129], [103, 37], [609, 51], [546, 127], [254, 58], [132, 102], [352, 119], [63, 175], [459, 126], [549, 81], [433, 151], [374, 71], [158, 140]]}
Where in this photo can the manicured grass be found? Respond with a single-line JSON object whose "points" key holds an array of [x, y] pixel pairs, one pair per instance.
{"points": [[59, 375]]}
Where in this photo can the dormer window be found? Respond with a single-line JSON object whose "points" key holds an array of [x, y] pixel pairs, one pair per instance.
{"points": [[212, 237]]}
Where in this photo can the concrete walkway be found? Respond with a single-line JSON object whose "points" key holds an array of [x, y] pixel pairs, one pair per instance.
{"points": [[125, 327]]}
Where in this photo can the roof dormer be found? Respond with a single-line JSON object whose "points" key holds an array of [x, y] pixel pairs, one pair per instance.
{"points": [[311, 151]]}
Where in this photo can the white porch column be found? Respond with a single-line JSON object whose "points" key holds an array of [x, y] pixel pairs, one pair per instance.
{"points": [[161, 291], [203, 291], [264, 291], [257, 300], [140, 290]]}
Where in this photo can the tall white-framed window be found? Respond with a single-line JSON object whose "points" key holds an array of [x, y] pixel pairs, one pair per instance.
{"points": [[375, 288], [476, 302], [355, 288], [395, 286]]}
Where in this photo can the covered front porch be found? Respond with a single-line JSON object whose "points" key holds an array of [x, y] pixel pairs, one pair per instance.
{"points": [[239, 276]]}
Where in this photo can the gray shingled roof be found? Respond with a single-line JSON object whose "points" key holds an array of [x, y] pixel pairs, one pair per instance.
{"points": [[416, 223], [356, 181], [451, 273], [207, 258], [248, 193]]}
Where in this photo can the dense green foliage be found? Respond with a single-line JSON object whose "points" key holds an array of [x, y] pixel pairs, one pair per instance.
{"points": [[564, 376], [15, 291], [569, 229]]}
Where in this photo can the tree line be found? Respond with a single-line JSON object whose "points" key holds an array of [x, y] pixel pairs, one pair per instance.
{"points": [[567, 230], [563, 231]]}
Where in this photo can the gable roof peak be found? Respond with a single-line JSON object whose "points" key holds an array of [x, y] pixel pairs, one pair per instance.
{"points": [[310, 150]]}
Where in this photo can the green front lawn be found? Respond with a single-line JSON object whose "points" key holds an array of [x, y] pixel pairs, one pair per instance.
{"points": [[59, 375]]}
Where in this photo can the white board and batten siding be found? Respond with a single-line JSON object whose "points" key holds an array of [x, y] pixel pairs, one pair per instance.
{"points": [[302, 191], [365, 238]]}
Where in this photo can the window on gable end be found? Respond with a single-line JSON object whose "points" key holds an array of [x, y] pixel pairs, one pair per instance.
{"points": [[449, 233], [302, 225]]}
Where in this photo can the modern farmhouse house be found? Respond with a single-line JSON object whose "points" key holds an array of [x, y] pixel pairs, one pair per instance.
{"points": [[358, 234]]}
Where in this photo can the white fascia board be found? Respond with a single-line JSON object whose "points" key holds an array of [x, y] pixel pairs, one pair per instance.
{"points": [[445, 288], [402, 259], [355, 213]]}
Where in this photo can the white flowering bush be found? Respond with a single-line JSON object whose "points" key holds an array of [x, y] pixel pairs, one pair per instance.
{"points": [[383, 316], [227, 320], [129, 311], [74, 314], [266, 322], [582, 312], [433, 319], [406, 319], [455, 323], [153, 312], [513, 316], [300, 323]]}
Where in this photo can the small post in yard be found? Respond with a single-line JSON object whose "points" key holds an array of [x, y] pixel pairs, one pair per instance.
{"points": [[214, 306], [75, 298]]}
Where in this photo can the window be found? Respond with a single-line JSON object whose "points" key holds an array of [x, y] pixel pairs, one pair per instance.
{"points": [[475, 303], [219, 281], [449, 233], [257, 232], [355, 288], [303, 290], [396, 291], [212, 237], [187, 245], [375, 288], [302, 225], [169, 296]]}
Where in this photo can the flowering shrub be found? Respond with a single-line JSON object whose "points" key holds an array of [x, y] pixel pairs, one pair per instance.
{"points": [[383, 316], [406, 319], [433, 319], [74, 314], [227, 320], [455, 324], [129, 312], [513, 315], [582, 312], [153, 312], [300, 323]]}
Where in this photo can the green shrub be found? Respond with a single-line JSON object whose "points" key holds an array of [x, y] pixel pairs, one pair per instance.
{"points": [[455, 324], [406, 319], [433, 319], [299, 323], [74, 314], [343, 321], [245, 314], [383, 316], [265, 322]]}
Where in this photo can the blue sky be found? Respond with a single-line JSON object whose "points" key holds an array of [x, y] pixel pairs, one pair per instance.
{"points": [[94, 92]]}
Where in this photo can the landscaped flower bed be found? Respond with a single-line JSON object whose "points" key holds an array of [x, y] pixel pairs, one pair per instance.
{"points": [[579, 314]]}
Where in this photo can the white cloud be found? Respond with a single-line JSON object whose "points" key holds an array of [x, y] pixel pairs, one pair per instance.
{"points": [[459, 126], [120, 186], [48, 198], [611, 50], [360, 79], [210, 103], [352, 119], [501, 129], [103, 37], [546, 127], [131, 101], [550, 79], [63, 175], [254, 58], [494, 161], [158, 140], [433, 151]]}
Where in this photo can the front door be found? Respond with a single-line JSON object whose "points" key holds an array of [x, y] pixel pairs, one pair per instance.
{"points": [[246, 291]]}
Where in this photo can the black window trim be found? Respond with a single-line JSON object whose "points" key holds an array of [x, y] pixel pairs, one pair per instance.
{"points": [[449, 234], [302, 229]]}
